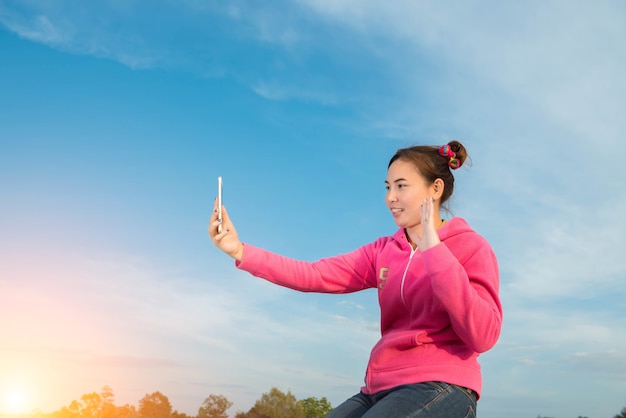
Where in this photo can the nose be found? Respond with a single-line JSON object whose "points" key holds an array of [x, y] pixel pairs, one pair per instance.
{"points": [[390, 196]]}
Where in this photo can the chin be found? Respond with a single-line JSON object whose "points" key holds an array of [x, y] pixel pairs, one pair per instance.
{"points": [[400, 224]]}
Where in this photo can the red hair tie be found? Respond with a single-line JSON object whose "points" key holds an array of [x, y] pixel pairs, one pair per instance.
{"points": [[446, 151]]}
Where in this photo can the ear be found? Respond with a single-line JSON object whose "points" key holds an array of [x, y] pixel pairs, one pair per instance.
{"points": [[437, 188]]}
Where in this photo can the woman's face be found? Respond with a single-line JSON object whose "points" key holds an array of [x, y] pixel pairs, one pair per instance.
{"points": [[406, 190]]}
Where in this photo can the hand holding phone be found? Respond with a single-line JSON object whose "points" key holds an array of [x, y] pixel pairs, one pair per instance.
{"points": [[219, 204], [228, 242]]}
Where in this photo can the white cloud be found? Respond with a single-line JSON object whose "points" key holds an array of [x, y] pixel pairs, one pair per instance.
{"points": [[88, 31], [265, 24], [569, 262], [570, 72], [39, 29], [275, 90]]}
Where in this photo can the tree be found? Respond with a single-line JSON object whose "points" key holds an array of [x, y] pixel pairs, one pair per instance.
{"points": [[71, 411], [92, 405], [275, 404], [177, 414], [315, 408], [127, 411], [155, 405], [214, 406], [621, 414], [107, 408]]}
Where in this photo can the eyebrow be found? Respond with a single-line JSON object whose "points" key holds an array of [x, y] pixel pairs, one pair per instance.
{"points": [[396, 180]]}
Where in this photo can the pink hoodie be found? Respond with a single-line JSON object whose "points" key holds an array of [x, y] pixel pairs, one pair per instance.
{"points": [[439, 308]]}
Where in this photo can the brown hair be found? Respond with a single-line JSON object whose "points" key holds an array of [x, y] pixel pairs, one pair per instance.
{"points": [[432, 165]]}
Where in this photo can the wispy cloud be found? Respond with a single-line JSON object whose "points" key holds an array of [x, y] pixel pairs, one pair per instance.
{"points": [[38, 29], [103, 31], [275, 90], [572, 254]]}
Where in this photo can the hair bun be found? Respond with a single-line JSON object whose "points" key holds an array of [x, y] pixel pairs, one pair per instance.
{"points": [[460, 153], [448, 151]]}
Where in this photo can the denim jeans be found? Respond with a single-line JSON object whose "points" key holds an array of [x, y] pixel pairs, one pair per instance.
{"points": [[421, 400]]}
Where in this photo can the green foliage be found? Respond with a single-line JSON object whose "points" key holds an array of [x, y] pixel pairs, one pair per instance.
{"points": [[155, 405], [315, 408], [275, 404], [621, 414], [214, 406]]}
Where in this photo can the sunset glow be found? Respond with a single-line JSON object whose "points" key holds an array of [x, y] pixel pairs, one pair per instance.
{"points": [[14, 400]]}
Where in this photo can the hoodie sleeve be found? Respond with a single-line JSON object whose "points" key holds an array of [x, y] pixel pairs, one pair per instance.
{"points": [[340, 274], [465, 280]]}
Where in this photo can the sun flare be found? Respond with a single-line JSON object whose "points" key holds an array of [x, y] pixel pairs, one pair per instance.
{"points": [[14, 401]]}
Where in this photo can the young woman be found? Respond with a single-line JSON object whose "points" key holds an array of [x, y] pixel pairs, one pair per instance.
{"points": [[437, 282]]}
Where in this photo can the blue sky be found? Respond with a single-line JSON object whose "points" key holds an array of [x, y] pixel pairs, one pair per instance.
{"points": [[116, 119]]}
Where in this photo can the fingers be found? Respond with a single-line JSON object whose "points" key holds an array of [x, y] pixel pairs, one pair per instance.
{"points": [[427, 209], [215, 223], [218, 228], [223, 233], [214, 215], [429, 238], [225, 221]]}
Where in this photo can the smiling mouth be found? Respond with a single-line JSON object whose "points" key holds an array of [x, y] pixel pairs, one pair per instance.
{"points": [[396, 210]]}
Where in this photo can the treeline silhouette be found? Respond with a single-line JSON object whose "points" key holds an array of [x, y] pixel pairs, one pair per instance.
{"points": [[274, 404]]}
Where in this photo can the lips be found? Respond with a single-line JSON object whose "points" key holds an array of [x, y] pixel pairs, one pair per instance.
{"points": [[396, 211]]}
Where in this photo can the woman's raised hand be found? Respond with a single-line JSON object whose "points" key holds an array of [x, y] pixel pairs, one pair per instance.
{"points": [[227, 240], [430, 238]]}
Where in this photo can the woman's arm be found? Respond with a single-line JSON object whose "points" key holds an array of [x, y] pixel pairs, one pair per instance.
{"points": [[468, 289], [340, 274]]}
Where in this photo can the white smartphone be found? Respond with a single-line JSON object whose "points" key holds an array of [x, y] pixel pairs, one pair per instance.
{"points": [[219, 203]]}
